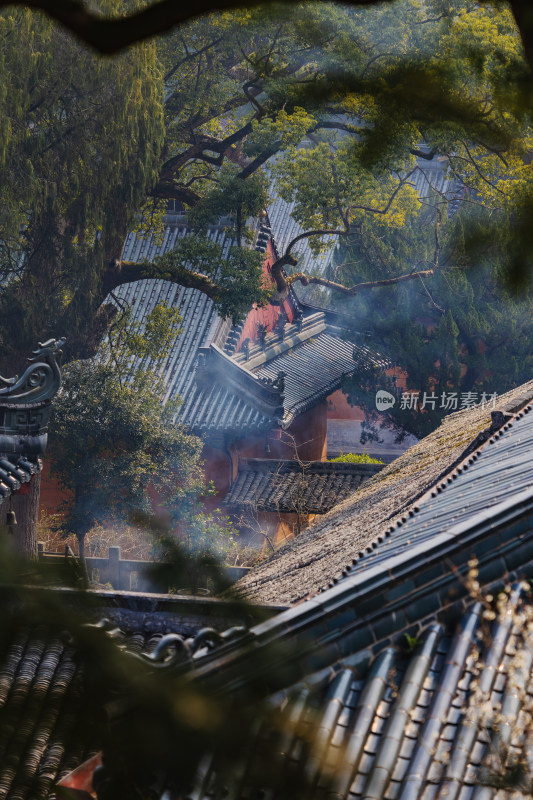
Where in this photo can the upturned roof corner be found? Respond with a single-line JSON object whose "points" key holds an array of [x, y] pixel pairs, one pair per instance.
{"points": [[25, 402]]}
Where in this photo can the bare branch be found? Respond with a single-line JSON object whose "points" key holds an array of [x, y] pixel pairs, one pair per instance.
{"points": [[402, 182], [190, 57], [471, 160], [432, 301], [305, 280]]}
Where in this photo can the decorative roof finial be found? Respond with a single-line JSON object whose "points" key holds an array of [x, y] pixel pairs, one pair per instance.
{"points": [[25, 402]]}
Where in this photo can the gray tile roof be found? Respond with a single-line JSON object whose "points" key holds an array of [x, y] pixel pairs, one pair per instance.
{"points": [[397, 671], [369, 681], [310, 487], [314, 370], [396, 674], [499, 471], [41, 704], [201, 410], [361, 524], [37, 677], [311, 353], [15, 471], [204, 411], [46, 720], [396, 729]]}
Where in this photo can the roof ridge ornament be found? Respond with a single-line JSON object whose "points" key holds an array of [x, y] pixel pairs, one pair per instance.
{"points": [[25, 403], [40, 382]]}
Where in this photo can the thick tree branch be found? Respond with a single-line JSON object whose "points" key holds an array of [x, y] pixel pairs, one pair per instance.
{"points": [[199, 151], [120, 272], [257, 162], [168, 190], [109, 36], [421, 154], [305, 280]]}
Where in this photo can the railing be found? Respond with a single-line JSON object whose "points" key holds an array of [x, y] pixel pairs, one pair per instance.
{"points": [[126, 574]]}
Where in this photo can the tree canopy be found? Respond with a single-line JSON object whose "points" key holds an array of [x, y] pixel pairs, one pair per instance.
{"points": [[333, 104], [113, 33], [73, 127], [312, 90]]}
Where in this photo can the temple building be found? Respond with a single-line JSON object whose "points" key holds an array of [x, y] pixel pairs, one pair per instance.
{"points": [[267, 388], [395, 664]]}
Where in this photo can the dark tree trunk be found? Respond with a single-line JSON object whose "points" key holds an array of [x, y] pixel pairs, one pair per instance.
{"points": [[81, 546], [25, 504], [83, 563]]}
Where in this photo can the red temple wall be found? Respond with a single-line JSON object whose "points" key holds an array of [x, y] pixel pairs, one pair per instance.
{"points": [[52, 497], [267, 315]]}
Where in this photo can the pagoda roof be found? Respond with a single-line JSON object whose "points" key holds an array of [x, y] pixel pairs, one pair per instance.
{"points": [[310, 351]]}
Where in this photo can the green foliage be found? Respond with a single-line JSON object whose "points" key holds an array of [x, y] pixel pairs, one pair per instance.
{"points": [[332, 191], [71, 170], [459, 330], [335, 97], [411, 642], [355, 458], [153, 339], [108, 439], [233, 196], [112, 438], [333, 100], [234, 276]]}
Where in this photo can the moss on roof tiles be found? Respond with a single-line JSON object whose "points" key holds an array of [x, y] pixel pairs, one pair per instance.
{"points": [[306, 564]]}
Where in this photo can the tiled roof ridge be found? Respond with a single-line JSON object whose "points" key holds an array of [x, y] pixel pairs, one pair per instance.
{"points": [[294, 334], [308, 384], [212, 409], [14, 471], [241, 375], [372, 609], [393, 724], [254, 391], [499, 418], [468, 457], [335, 320], [324, 550], [316, 467], [501, 423]]}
